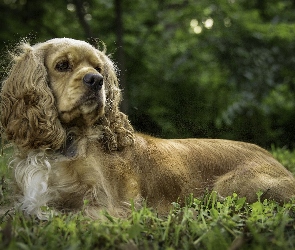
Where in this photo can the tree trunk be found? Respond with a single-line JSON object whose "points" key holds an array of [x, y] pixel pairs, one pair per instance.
{"points": [[120, 52], [81, 16]]}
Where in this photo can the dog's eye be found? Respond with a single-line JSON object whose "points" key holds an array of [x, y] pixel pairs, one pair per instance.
{"points": [[98, 69], [63, 66]]}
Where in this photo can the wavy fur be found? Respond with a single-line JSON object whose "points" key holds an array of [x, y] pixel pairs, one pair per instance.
{"points": [[75, 150], [34, 121]]}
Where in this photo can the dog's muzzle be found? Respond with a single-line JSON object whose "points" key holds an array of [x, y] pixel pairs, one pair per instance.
{"points": [[93, 81]]}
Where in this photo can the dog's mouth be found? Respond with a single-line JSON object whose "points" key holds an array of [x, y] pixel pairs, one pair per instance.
{"points": [[90, 102], [89, 106], [90, 99]]}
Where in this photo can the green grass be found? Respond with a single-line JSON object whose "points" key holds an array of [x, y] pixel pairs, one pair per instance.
{"points": [[202, 224]]}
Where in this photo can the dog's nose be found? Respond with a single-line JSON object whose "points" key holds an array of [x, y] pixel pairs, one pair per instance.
{"points": [[93, 81]]}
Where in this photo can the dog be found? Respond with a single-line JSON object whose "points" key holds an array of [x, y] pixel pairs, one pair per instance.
{"points": [[75, 150]]}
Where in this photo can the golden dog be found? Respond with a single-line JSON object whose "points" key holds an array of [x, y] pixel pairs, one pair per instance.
{"points": [[59, 107]]}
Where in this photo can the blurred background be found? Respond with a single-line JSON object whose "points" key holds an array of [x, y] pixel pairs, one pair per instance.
{"points": [[189, 68]]}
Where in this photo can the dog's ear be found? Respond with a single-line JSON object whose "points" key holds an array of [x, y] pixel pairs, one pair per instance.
{"points": [[28, 114], [118, 132]]}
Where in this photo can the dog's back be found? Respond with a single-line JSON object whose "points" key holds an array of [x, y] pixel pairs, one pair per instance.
{"points": [[173, 169]]}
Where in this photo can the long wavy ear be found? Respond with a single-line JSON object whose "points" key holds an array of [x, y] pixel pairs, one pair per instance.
{"points": [[28, 114], [118, 132]]}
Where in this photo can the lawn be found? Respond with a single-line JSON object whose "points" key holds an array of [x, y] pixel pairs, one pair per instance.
{"points": [[203, 223]]}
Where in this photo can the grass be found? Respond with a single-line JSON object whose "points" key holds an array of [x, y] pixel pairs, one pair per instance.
{"points": [[203, 223]]}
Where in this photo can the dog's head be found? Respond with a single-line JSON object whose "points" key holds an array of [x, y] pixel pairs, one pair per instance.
{"points": [[59, 86], [77, 75]]}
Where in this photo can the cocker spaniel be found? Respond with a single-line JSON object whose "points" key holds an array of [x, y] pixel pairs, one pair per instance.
{"points": [[60, 109]]}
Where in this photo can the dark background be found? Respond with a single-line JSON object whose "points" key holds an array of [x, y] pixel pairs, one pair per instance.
{"points": [[202, 68]]}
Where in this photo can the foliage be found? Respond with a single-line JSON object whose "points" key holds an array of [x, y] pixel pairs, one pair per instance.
{"points": [[204, 223], [218, 68], [201, 224], [286, 157]]}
